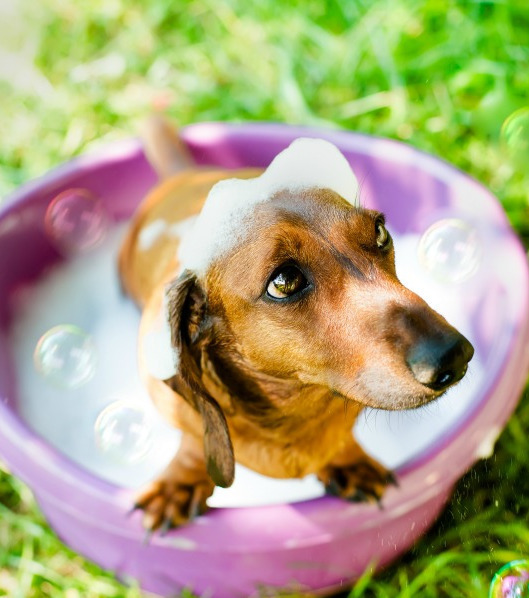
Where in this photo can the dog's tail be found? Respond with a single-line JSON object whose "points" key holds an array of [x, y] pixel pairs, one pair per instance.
{"points": [[165, 151], [168, 156], [148, 253]]}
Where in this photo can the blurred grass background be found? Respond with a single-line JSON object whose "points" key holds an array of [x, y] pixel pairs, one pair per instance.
{"points": [[442, 75]]}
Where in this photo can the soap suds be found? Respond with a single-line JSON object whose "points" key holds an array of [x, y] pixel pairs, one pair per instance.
{"points": [[159, 228], [85, 291], [151, 233], [307, 163]]}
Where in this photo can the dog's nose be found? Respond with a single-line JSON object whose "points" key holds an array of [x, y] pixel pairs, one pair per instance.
{"points": [[439, 361]]}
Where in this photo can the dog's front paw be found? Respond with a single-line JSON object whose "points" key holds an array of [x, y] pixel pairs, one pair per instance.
{"points": [[168, 503], [362, 481]]}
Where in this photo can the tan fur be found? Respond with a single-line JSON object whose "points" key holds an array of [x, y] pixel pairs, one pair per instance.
{"points": [[274, 387]]}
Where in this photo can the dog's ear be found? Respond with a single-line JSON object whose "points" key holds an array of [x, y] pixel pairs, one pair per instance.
{"points": [[190, 336]]}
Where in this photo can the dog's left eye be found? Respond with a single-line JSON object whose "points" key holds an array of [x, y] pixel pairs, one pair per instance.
{"points": [[383, 238], [286, 282]]}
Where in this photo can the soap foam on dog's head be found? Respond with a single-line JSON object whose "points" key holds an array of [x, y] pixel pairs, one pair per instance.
{"points": [[307, 163]]}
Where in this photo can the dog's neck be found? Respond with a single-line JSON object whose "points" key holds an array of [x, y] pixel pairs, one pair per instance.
{"points": [[282, 428]]}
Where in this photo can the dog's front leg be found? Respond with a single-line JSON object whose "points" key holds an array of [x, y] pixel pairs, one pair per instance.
{"points": [[355, 476], [180, 492]]}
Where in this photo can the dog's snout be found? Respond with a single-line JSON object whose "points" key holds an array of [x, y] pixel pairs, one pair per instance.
{"points": [[440, 361]]}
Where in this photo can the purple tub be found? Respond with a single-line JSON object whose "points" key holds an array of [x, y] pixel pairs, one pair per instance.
{"points": [[321, 544]]}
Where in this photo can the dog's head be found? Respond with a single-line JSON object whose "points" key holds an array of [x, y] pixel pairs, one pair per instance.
{"points": [[298, 284]]}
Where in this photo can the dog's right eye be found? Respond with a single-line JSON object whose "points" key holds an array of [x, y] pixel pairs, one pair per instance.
{"points": [[383, 238], [286, 282]]}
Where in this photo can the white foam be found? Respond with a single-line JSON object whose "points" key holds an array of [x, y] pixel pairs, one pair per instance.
{"points": [[159, 228], [305, 164], [85, 291], [178, 229], [151, 233]]}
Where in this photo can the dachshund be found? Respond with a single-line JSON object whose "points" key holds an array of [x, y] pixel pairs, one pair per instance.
{"points": [[271, 322]]}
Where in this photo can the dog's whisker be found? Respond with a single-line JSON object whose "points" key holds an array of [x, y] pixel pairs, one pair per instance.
{"points": [[361, 183], [147, 537], [345, 406]]}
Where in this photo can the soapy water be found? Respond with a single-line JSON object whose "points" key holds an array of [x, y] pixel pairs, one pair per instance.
{"points": [[450, 250], [76, 221], [511, 581], [66, 357], [124, 432], [85, 290]]}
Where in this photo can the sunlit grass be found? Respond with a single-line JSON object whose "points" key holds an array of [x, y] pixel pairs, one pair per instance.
{"points": [[441, 75]]}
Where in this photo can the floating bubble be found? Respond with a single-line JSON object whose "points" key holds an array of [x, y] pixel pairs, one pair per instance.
{"points": [[450, 250], [66, 356], [76, 221], [123, 432], [511, 581], [515, 136]]}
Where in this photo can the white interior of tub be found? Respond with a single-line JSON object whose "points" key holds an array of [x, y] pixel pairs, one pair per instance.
{"points": [[85, 291]]}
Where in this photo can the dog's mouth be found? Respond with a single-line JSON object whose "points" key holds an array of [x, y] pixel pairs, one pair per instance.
{"points": [[390, 393], [384, 388]]}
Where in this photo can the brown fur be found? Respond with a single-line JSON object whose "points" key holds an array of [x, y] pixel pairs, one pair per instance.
{"points": [[276, 387]]}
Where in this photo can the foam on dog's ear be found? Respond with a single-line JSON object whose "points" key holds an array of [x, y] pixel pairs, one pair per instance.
{"points": [[222, 224], [186, 307]]}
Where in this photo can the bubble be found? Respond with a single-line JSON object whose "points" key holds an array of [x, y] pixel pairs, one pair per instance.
{"points": [[450, 250], [515, 136], [76, 221], [511, 581], [66, 356], [123, 432]]}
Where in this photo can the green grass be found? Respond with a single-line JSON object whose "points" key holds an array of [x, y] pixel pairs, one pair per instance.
{"points": [[439, 74]]}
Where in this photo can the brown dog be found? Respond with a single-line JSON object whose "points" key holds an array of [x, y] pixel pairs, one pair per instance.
{"points": [[282, 329]]}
